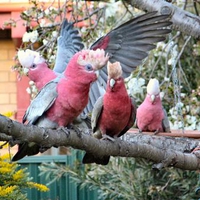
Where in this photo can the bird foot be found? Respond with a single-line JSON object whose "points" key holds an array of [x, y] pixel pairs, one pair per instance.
{"points": [[140, 131], [107, 137], [196, 149], [156, 132], [76, 129], [64, 129]]}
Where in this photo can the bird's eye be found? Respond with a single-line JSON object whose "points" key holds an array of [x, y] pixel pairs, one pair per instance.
{"points": [[88, 67], [33, 66]]}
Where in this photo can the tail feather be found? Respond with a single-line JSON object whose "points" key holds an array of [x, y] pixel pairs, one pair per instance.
{"points": [[26, 149], [90, 158]]}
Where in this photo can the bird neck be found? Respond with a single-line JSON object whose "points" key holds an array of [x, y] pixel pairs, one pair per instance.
{"points": [[38, 77]]}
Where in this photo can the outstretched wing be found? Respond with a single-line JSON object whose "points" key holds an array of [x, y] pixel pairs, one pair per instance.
{"points": [[130, 43], [69, 43], [41, 103]]}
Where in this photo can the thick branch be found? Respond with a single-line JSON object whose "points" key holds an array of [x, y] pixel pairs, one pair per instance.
{"points": [[141, 146], [183, 21]]}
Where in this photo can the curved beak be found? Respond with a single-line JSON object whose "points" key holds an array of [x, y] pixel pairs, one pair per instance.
{"points": [[153, 98], [97, 73], [112, 82]]}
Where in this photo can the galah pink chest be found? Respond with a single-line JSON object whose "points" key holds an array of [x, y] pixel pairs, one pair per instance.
{"points": [[150, 116], [72, 99], [116, 113]]}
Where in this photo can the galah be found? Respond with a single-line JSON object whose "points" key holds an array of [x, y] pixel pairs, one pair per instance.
{"points": [[36, 67], [151, 115], [129, 44], [61, 100], [114, 113]]}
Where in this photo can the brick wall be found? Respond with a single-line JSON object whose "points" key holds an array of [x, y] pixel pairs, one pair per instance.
{"points": [[8, 88]]}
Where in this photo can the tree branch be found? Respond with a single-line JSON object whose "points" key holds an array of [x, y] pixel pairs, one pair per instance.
{"points": [[163, 151], [183, 21]]}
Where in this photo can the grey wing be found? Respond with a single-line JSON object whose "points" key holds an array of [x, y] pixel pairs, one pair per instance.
{"points": [[165, 122], [96, 90], [42, 102], [132, 117], [69, 43], [96, 112], [130, 43]]}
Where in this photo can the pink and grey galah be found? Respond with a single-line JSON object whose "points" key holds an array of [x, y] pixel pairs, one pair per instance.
{"points": [[113, 114], [61, 100], [129, 44], [36, 67], [151, 115]]}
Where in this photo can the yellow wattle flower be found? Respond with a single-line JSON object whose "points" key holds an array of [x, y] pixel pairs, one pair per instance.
{"points": [[5, 191], [18, 175], [5, 157], [38, 186], [5, 170], [8, 114]]}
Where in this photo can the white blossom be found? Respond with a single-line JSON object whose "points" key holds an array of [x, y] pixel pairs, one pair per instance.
{"points": [[28, 90], [26, 37], [162, 94], [47, 11], [191, 119], [55, 33], [198, 126], [42, 22], [30, 37], [179, 105], [52, 58], [44, 41], [25, 70], [135, 86], [34, 36], [166, 79], [31, 83]]}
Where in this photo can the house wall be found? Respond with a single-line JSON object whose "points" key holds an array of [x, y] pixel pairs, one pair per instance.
{"points": [[8, 87]]}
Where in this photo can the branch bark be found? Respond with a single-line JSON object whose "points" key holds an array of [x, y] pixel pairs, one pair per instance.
{"points": [[163, 151], [183, 21]]}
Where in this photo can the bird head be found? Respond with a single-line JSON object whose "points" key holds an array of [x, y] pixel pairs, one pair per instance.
{"points": [[114, 73], [153, 89], [96, 58], [29, 60], [86, 63]]}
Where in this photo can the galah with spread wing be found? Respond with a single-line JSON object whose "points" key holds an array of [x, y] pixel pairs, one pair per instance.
{"points": [[129, 44], [61, 100], [36, 67], [151, 115], [114, 113]]}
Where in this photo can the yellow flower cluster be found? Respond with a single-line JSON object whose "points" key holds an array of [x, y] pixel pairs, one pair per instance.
{"points": [[38, 186], [5, 191], [8, 114], [18, 175], [5, 157], [6, 167], [13, 181]]}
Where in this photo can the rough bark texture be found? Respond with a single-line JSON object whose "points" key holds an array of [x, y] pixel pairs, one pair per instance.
{"points": [[183, 21], [163, 151]]}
